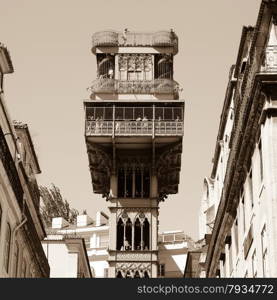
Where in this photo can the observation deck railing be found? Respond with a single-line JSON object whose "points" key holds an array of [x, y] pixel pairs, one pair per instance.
{"points": [[141, 128]]}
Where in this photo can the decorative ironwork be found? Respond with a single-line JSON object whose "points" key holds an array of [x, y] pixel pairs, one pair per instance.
{"points": [[102, 128], [135, 39], [104, 39], [156, 86], [10, 168]]}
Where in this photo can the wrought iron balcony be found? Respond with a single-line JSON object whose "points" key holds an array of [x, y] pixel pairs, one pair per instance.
{"points": [[135, 128], [135, 39], [156, 86]]}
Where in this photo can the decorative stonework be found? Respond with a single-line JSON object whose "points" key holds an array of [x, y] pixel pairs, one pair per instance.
{"points": [[133, 256], [133, 266], [133, 213]]}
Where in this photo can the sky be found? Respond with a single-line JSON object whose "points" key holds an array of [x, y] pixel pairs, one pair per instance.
{"points": [[49, 43]]}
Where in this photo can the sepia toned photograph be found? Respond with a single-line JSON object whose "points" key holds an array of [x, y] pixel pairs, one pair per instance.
{"points": [[138, 139]]}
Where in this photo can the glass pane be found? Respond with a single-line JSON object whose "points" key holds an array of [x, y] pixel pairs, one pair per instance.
{"points": [[177, 113], [129, 113], [168, 114], [108, 113], [148, 113], [119, 113], [159, 113], [90, 113], [138, 112], [99, 112]]}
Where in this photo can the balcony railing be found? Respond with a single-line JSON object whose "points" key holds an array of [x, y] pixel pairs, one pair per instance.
{"points": [[105, 39], [122, 128], [156, 86], [135, 39]]}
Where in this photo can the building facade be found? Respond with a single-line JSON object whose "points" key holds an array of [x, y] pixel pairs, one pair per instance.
{"points": [[67, 256], [96, 238], [21, 229], [133, 133], [174, 247], [240, 199]]}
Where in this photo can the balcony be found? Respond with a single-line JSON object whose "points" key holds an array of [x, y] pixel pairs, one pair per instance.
{"points": [[135, 39], [134, 128], [104, 39], [156, 86]]}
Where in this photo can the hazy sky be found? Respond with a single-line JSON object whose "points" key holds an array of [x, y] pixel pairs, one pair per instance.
{"points": [[49, 42]]}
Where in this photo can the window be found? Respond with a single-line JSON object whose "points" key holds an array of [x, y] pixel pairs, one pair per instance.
{"points": [[264, 252], [254, 264], [251, 189], [133, 182], [161, 270], [243, 213], [7, 247], [236, 236], [133, 236], [230, 257], [261, 161]]}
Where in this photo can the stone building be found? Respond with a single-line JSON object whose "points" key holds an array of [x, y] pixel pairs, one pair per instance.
{"points": [[21, 229], [133, 133], [239, 205]]}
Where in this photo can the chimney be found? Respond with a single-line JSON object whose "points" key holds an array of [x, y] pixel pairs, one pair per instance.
{"points": [[83, 220], [101, 218], [59, 222]]}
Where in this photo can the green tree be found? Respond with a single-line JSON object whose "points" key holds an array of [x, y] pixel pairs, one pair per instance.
{"points": [[54, 205]]}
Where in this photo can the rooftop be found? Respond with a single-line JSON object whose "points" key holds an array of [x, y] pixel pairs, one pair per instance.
{"points": [[112, 38]]}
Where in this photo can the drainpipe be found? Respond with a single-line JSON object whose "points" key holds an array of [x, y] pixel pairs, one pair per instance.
{"points": [[24, 220]]}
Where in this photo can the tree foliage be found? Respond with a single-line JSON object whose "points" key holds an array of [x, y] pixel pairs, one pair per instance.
{"points": [[54, 205]]}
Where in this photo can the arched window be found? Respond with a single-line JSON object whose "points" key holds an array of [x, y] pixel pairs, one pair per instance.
{"points": [[119, 274], [128, 235], [146, 275], [128, 274], [137, 241], [137, 274], [7, 247], [120, 235], [146, 228]]}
